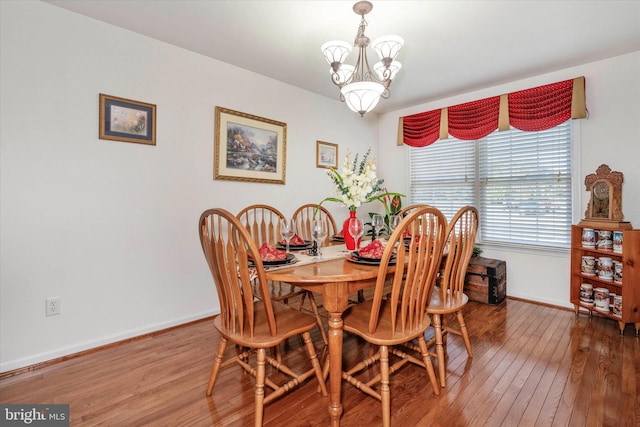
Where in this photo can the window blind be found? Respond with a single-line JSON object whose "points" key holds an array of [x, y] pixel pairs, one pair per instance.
{"points": [[519, 181], [444, 175], [525, 186]]}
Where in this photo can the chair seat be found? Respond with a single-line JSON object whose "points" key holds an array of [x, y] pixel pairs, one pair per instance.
{"points": [[451, 305], [290, 322], [356, 321]]}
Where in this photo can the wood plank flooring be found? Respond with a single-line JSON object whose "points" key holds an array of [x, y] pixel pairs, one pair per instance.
{"points": [[533, 365]]}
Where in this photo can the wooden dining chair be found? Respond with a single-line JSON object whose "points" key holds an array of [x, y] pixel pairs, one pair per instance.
{"points": [[404, 211], [390, 323], [449, 297], [253, 324], [304, 216], [263, 223]]}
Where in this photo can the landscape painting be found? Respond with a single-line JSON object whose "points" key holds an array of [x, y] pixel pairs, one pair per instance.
{"points": [[249, 148]]}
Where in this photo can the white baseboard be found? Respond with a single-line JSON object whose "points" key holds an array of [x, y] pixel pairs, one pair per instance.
{"points": [[11, 365], [536, 298]]}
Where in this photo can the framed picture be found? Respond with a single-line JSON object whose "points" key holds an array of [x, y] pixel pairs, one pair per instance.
{"points": [[326, 155], [249, 148], [127, 120]]}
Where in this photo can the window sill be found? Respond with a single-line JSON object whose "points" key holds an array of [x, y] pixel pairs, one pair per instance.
{"points": [[525, 249]]}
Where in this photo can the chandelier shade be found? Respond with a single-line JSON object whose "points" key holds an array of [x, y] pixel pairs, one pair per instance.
{"points": [[362, 97], [343, 74], [336, 51], [390, 70], [388, 46], [361, 88]]}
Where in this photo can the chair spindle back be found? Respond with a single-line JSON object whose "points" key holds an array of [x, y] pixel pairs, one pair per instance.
{"points": [[417, 243], [303, 218], [227, 247], [461, 237], [263, 223]]}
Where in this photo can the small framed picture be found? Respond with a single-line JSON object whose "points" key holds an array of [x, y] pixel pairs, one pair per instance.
{"points": [[326, 155], [127, 120], [249, 148]]}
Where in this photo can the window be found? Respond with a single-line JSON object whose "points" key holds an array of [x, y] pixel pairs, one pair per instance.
{"points": [[519, 181]]}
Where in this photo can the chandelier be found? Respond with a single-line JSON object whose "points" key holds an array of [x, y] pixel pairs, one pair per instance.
{"points": [[360, 88]]}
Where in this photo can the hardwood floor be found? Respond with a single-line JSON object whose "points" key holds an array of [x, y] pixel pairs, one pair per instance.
{"points": [[533, 365]]}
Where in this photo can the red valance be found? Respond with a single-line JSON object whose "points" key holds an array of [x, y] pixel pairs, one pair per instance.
{"points": [[421, 129], [474, 120], [535, 109], [542, 107]]}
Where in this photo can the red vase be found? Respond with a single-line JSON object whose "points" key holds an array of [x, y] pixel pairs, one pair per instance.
{"points": [[348, 238]]}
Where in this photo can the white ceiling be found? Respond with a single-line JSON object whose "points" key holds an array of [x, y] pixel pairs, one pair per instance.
{"points": [[451, 47]]}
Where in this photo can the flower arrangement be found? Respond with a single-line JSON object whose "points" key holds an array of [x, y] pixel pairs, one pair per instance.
{"points": [[357, 183]]}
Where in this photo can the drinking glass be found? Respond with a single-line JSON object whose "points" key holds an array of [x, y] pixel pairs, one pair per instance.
{"points": [[319, 233], [394, 221], [377, 222], [356, 229], [287, 229]]}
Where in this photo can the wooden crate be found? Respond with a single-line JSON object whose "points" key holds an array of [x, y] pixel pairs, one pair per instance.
{"points": [[486, 280]]}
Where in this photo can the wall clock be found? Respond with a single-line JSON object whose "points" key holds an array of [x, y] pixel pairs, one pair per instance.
{"points": [[605, 199]]}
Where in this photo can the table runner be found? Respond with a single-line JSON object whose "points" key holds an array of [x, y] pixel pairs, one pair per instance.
{"points": [[301, 257]]}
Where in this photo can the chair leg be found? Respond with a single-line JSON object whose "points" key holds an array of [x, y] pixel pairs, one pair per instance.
{"points": [[276, 353], [325, 373], [372, 350], [437, 326], [315, 363], [385, 392], [216, 365], [465, 334], [314, 307], [426, 359], [259, 394]]}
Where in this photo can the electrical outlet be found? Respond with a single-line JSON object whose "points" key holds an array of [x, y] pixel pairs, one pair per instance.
{"points": [[52, 306]]}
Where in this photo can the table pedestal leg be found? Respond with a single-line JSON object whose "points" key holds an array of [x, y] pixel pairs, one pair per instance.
{"points": [[335, 368], [336, 299]]}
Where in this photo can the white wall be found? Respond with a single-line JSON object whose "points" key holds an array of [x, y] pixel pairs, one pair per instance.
{"points": [[110, 227], [610, 135]]}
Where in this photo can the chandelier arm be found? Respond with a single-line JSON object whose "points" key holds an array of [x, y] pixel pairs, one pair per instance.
{"points": [[366, 71], [335, 79], [386, 76]]}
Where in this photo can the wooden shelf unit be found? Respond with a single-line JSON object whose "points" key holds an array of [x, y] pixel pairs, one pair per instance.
{"points": [[629, 288]]}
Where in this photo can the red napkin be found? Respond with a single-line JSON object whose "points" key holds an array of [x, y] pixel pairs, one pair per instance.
{"points": [[269, 253], [295, 241], [372, 250]]}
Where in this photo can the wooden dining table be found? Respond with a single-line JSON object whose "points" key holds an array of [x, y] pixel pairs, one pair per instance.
{"points": [[335, 279]]}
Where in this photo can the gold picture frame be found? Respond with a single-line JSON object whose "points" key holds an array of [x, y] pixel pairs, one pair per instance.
{"points": [[326, 155], [249, 148], [126, 120]]}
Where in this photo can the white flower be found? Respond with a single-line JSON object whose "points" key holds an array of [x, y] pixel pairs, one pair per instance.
{"points": [[357, 183]]}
